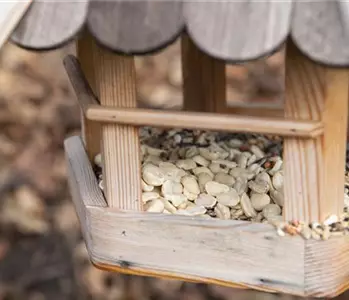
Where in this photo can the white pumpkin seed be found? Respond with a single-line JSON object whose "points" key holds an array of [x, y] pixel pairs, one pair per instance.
{"points": [[147, 196], [170, 187], [156, 206], [271, 210], [214, 188], [247, 207], [146, 187], [259, 201], [224, 178], [222, 211], [190, 184], [200, 170], [191, 152], [201, 161], [230, 198], [153, 175], [240, 186], [98, 160], [186, 164], [206, 200], [176, 200], [277, 197], [278, 181]]}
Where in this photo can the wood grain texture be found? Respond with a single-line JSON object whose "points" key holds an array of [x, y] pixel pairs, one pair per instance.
{"points": [[11, 13], [238, 30], [48, 24], [91, 130], [78, 163], [327, 267], [204, 79], [116, 87], [230, 253], [314, 169], [135, 26], [321, 30], [204, 121]]}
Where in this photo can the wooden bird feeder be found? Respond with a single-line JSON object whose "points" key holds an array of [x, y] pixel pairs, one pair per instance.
{"points": [[119, 235]]}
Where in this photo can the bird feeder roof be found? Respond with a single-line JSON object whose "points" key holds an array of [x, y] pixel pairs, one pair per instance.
{"points": [[229, 30]]}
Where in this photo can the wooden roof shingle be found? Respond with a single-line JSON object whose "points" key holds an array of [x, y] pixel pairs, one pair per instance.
{"points": [[230, 30]]}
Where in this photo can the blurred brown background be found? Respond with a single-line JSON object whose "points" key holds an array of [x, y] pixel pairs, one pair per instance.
{"points": [[42, 255]]}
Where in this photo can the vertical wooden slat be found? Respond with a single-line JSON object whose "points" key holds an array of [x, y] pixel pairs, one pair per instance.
{"points": [[204, 79], [314, 169], [91, 131], [116, 87]]}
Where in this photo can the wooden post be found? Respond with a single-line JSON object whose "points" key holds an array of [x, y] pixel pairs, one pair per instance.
{"points": [[116, 87], [91, 130], [314, 168], [204, 80]]}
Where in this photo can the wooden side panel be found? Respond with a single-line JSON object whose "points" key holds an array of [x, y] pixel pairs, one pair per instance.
{"points": [[314, 169], [224, 252], [204, 79], [135, 26], [91, 130], [116, 87], [327, 267], [321, 30], [48, 24], [238, 30], [79, 166]]}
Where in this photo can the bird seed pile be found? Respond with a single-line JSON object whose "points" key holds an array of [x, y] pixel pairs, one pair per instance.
{"points": [[221, 175]]}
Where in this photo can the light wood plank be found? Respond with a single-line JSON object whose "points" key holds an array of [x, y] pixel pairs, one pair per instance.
{"points": [[230, 253], [78, 163], [204, 79], [327, 267], [314, 169], [321, 30], [120, 143], [83, 89], [226, 251], [11, 13], [204, 121], [238, 30], [49, 24], [135, 27]]}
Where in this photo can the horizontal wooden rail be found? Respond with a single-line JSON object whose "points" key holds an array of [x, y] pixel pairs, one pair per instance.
{"points": [[204, 121], [177, 119]]}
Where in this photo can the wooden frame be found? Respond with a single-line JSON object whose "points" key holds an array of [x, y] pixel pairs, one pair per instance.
{"points": [[122, 238], [160, 245]]}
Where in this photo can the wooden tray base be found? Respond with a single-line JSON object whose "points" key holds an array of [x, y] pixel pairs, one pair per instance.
{"points": [[230, 253]]}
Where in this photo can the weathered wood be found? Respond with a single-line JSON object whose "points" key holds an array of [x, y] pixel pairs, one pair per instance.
{"points": [[135, 26], [77, 156], [327, 267], [321, 30], [91, 130], [204, 79], [314, 169], [204, 121], [230, 253], [120, 143], [225, 252], [11, 13], [238, 30], [48, 24]]}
